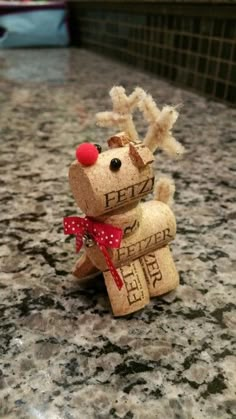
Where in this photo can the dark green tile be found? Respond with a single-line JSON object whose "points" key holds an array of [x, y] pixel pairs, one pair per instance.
{"points": [[206, 26], [192, 61], [215, 48], [233, 74], [203, 48], [220, 90], [195, 44], [185, 42], [177, 39], [212, 68], [209, 86], [231, 94], [218, 27], [202, 65], [226, 50], [230, 29], [223, 70]]}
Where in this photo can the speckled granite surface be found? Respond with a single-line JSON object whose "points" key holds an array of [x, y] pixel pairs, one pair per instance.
{"points": [[63, 355]]}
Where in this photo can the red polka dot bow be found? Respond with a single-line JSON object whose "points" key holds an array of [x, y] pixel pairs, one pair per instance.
{"points": [[103, 235]]}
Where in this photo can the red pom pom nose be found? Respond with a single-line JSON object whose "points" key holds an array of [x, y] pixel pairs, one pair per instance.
{"points": [[86, 154]]}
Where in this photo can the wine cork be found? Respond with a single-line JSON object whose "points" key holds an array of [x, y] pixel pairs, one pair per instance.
{"points": [[140, 155], [118, 140], [160, 271], [84, 267], [134, 294], [157, 229], [128, 218], [98, 189]]}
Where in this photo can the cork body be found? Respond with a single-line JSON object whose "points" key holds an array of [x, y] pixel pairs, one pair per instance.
{"points": [[134, 295], [156, 227], [148, 276], [159, 271]]}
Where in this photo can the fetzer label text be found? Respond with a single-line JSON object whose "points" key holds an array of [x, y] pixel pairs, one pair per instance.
{"points": [[132, 284], [151, 269], [152, 242], [132, 192]]}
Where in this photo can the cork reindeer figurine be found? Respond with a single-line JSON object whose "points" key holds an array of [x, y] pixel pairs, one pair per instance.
{"points": [[124, 238]]}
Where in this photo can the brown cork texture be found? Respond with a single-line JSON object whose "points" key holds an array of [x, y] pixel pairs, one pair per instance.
{"points": [[156, 229], [98, 190], [134, 294], [84, 267], [140, 155], [118, 140], [128, 218], [160, 271]]}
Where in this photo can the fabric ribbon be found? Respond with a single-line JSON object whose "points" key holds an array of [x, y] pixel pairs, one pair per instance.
{"points": [[104, 235]]}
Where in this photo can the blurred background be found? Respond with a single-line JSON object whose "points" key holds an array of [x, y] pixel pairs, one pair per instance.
{"points": [[190, 43]]}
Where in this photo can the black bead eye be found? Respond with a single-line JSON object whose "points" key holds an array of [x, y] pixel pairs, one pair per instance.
{"points": [[98, 147], [115, 164]]}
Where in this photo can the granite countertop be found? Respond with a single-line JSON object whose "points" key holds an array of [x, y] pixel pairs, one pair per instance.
{"points": [[63, 354]]}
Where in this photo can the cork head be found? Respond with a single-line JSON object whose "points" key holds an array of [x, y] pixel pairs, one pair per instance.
{"points": [[117, 178]]}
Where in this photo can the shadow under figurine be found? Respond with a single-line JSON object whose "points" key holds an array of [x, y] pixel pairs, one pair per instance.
{"points": [[126, 239]]}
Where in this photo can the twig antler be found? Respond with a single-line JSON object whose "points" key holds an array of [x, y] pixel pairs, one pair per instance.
{"points": [[123, 106], [159, 133]]}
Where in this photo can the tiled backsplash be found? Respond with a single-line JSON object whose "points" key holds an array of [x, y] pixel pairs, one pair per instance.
{"points": [[191, 45]]}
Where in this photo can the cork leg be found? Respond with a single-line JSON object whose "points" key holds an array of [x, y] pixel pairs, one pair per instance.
{"points": [[160, 271], [134, 294], [84, 267]]}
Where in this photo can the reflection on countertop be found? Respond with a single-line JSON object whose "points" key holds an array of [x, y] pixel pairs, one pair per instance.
{"points": [[63, 355]]}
